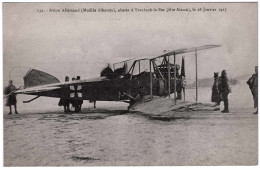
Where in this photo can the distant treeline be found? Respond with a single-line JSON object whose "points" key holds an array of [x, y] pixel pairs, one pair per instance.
{"points": [[233, 81], [208, 82]]}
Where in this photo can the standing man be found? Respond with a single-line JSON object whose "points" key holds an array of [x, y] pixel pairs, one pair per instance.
{"points": [[65, 102], [11, 97], [224, 90], [215, 90], [253, 85]]}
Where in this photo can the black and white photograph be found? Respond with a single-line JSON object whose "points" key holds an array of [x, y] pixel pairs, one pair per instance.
{"points": [[130, 84]]}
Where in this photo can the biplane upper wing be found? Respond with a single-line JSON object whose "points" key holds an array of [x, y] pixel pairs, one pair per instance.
{"points": [[187, 50], [124, 61]]}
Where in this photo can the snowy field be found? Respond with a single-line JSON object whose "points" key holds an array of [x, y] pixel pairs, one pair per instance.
{"points": [[41, 135]]}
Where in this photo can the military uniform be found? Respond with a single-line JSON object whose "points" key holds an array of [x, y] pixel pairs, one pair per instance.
{"points": [[215, 90], [224, 90], [65, 102], [253, 85], [11, 98], [107, 72], [255, 91]]}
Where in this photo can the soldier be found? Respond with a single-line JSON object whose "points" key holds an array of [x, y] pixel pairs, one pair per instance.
{"points": [[179, 89], [215, 90], [120, 72], [107, 72], [224, 90], [65, 102], [11, 97], [253, 85]]}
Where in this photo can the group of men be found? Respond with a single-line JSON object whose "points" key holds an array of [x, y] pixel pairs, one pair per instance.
{"points": [[221, 89], [11, 98], [76, 103]]}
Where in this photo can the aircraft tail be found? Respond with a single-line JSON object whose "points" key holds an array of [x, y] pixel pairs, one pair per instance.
{"points": [[37, 78]]}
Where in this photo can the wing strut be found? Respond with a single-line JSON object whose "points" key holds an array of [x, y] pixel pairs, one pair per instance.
{"points": [[175, 91], [169, 76], [196, 65], [151, 80]]}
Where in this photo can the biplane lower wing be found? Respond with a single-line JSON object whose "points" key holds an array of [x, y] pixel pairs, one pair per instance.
{"points": [[36, 90], [56, 86], [43, 84]]}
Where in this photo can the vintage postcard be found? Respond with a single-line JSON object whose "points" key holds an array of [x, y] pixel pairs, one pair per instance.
{"points": [[130, 84]]}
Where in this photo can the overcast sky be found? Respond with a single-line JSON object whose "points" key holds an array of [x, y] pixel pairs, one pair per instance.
{"points": [[74, 43]]}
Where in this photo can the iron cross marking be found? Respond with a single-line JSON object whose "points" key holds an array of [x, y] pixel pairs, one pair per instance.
{"points": [[76, 91]]}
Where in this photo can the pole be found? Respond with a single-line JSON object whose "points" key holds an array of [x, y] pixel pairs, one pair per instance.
{"points": [[169, 78], [174, 79], [196, 62], [151, 80]]}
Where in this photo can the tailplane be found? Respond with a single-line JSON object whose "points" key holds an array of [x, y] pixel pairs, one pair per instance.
{"points": [[38, 78]]}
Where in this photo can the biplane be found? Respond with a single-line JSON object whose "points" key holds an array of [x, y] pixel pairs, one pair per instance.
{"points": [[117, 84]]}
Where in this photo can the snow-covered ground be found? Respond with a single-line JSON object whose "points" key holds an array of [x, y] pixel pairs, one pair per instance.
{"points": [[43, 136]]}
